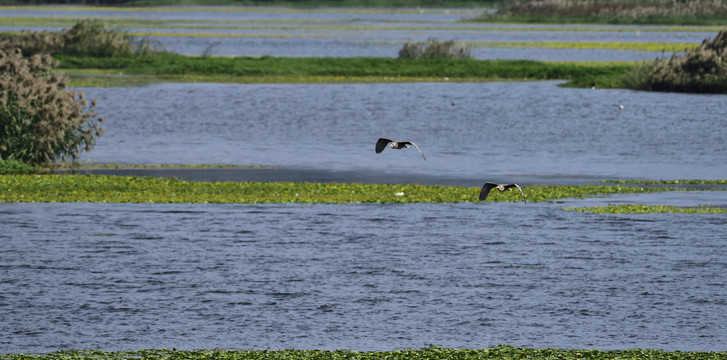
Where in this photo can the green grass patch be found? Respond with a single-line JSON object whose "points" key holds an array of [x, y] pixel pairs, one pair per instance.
{"points": [[174, 67], [15, 167], [500, 352], [649, 209], [124, 189]]}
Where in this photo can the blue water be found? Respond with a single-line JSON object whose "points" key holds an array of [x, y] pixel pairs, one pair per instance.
{"points": [[379, 276], [359, 276], [468, 131]]}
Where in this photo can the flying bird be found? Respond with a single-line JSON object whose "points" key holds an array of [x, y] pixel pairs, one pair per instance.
{"points": [[502, 187], [381, 145]]}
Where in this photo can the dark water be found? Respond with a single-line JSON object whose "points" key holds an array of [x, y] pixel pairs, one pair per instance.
{"points": [[251, 31], [468, 131], [363, 277]]}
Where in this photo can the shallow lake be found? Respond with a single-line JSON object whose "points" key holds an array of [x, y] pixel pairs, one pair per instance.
{"points": [[253, 31], [470, 132], [360, 276], [379, 276]]}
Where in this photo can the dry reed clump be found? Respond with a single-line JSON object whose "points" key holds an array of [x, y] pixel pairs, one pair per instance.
{"points": [[86, 38], [41, 121], [702, 70], [434, 49], [612, 9]]}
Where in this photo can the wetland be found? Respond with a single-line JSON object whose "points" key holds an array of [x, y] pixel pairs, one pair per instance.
{"points": [[640, 268]]}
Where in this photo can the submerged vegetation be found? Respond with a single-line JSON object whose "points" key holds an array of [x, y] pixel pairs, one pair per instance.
{"points": [[428, 353], [691, 12], [101, 188]]}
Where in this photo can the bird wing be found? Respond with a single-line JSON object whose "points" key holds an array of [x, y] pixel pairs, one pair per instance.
{"points": [[420, 150], [381, 144], [510, 186], [486, 190]]}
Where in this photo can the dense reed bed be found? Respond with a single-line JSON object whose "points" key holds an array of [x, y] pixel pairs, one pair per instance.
{"points": [[642, 12], [699, 70], [429, 353], [122, 189]]}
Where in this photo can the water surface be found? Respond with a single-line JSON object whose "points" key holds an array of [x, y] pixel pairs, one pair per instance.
{"points": [[468, 131], [361, 277]]}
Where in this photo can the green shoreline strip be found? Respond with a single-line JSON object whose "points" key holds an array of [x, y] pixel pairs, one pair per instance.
{"points": [[125, 189], [499, 352]]}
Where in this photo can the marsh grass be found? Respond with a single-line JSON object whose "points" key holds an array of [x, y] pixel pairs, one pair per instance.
{"points": [[692, 12], [124, 189], [435, 49], [499, 352], [364, 69]]}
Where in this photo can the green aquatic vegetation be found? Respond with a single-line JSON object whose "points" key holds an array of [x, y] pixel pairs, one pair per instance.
{"points": [[100, 188], [500, 352], [649, 209], [170, 67]]}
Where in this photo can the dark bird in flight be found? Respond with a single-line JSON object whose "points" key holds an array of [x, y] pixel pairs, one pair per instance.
{"points": [[381, 145], [502, 187]]}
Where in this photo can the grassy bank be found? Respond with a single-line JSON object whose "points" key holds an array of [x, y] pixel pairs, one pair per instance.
{"points": [[172, 67], [123, 189], [429, 353]]}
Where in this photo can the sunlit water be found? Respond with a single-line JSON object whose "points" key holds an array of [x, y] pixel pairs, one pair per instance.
{"points": [[358, 32], [468, 131], [362, 277]]}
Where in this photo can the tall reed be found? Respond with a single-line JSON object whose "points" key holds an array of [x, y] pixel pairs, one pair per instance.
{"points": [[435, 49], [702, 70], [40, 120]]}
